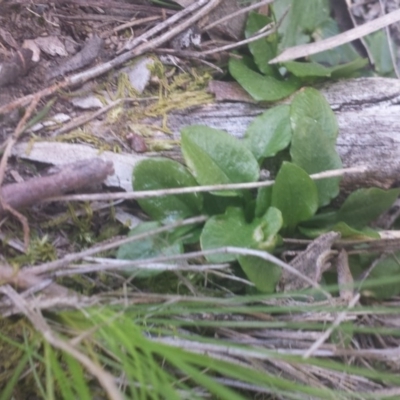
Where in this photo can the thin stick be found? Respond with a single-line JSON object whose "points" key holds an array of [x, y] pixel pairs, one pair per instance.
{"points": [[325, 336], [3, 164], [239, 44], [223, 250], [306, 50], [145, 194], [107, 245], [390, 43], [159, 27]]}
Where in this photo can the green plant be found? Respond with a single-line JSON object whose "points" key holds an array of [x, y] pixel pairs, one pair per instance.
{"points": [[306, 19], [305, 131]]}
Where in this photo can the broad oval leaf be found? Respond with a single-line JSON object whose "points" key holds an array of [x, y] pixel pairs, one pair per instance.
{"points": [[348, 70], [294, 194], [269, 133], [229, 229], [386, 273], [307, 69], [263, 200], [162, 244], [264, 274], [310, 108], [163, 173], [215, 157], [271, 224], [365, 205], [339, 55], [313, 145], [302, 20], [313, 69], [261, 88], [265, 49], [232, 229], [347, 231], [379, 47]]}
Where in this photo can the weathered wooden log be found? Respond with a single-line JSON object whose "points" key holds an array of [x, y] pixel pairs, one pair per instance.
{"points": [[368, 112]]}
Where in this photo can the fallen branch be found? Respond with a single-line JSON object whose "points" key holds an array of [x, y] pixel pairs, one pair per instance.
{"points": [[71, 177]]}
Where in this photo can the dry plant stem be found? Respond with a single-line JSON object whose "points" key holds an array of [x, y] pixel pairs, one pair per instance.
{"points": [[104, 378], [386, 244], [71, 177], [235, 14], [181, 27], [45, 268], [23, 101], [262, 33], [54, 302], [51, 266], [390, 43], [335, 41], [159, 27], [91, 116], [197, 189], [136, 22], [26, 280], [85, 119], [362, 40], [13, 139], [5, 204], [239, 44], [143, 266], [325, 336], [5, 207]]}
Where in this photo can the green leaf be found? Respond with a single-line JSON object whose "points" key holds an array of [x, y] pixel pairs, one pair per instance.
{"points": [[263, 201], [302, 20], [348, 70], [163, 173], [323, 220], [77, 378], [269, 133], [312, 69], [261, 88], [149, 247], [295, 194], [365, 205], [66, 391], [215, 205], [309, 107], [348, 232], [215, 157], [307, 69], [230, 229], [266, 234], [264, 274], [378, 45], [339, 55], [387, 273], [263, 50], [313, 148], [345, 230]]}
